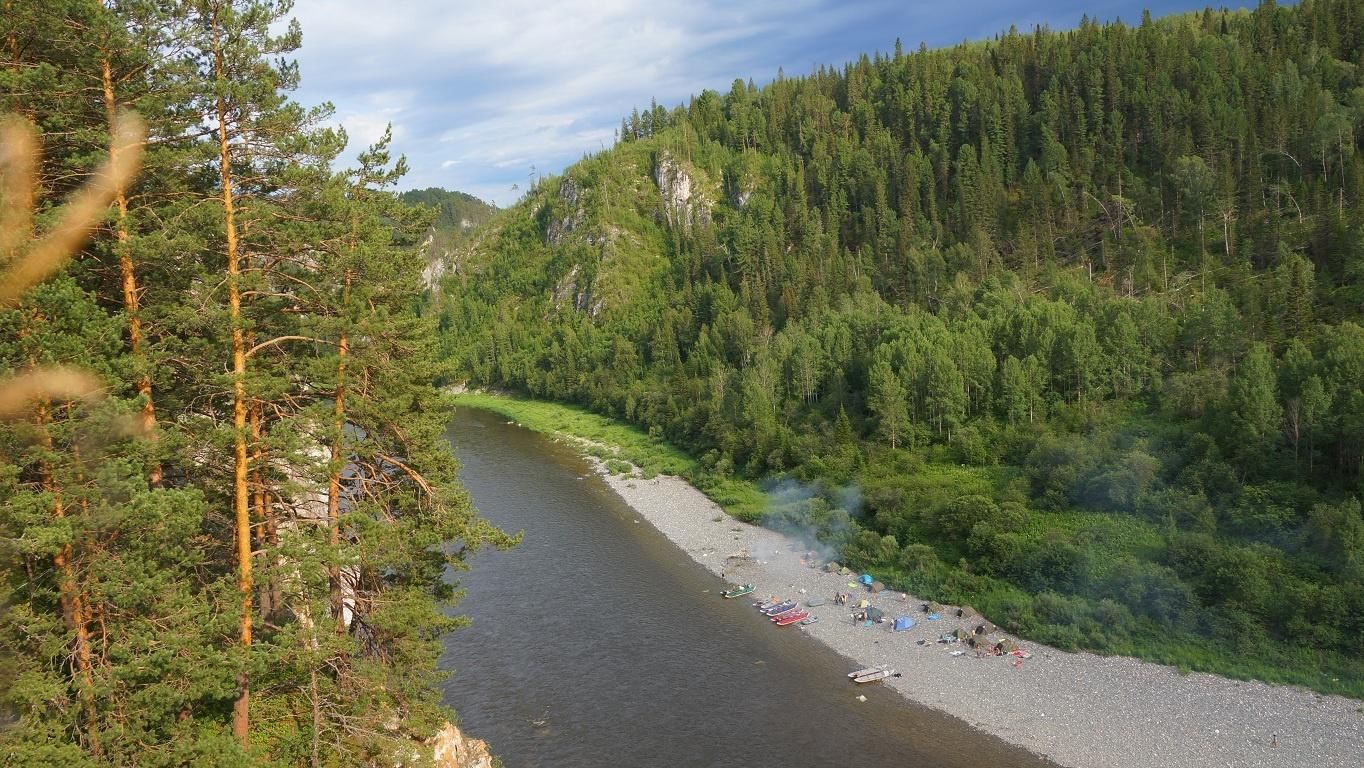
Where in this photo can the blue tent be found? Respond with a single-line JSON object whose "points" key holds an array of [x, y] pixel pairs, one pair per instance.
{"points": [[902, 623], [866, 579]]}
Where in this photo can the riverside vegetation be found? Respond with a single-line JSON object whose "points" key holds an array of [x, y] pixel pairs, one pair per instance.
{"points": [[1065, 325], [227, 509]]}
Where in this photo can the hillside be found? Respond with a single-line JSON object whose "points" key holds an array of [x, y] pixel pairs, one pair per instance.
{"points": [[456, 216], [1064, 324]]}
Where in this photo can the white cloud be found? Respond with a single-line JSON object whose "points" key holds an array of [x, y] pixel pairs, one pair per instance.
{"points": [[520, 82], [479, 92]]}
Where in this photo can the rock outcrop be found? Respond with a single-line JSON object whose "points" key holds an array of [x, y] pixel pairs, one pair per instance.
{"points": [[570, 195], [684, 205], [451, 749]]}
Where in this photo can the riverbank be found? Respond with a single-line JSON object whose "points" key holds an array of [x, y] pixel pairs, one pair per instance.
{"points": [[1078, 709]]}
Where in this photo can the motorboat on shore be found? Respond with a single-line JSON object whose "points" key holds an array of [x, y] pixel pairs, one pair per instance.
{"points": [[876, 677], [764, 605], [866, 671], [781, 607]]}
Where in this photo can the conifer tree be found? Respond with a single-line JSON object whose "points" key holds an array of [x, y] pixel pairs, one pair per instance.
{"points": [[887, 401]]}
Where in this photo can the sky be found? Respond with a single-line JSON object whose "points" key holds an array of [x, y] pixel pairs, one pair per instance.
{"points": [[484, 96]]}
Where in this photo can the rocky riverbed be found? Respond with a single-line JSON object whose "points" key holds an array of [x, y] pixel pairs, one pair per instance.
{"points": [[1077, 709]]}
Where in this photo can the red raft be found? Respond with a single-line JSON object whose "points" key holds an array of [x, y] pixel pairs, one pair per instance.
{"points": [[791, 618]]}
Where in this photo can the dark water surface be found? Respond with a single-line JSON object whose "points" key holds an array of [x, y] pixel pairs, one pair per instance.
{"points": [[598, 642]]}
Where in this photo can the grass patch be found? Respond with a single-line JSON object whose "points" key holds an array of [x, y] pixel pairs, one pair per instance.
{"points": [[619, 443]]}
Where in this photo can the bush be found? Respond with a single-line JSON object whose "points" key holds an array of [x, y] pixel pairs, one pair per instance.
{"points": [[958, 518], [1012, 610], [919, 557], [1237, 629], [970, 446], [1051, 608]]}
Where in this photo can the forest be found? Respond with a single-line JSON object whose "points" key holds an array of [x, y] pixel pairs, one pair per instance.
{"points": [[457, 214], [1062, 324], [228, 510]]}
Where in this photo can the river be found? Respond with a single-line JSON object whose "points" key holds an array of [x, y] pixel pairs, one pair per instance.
{"points": [[597, 642]]}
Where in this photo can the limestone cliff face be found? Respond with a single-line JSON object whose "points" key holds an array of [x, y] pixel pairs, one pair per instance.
{"points": [[437, 265], [571, 197], [451, 749], [684, 203]]}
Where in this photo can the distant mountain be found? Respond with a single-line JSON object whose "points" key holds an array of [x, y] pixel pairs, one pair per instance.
{"points": [[458, 214]]}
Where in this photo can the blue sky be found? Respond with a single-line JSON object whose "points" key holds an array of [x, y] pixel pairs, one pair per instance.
{"points": [[479, 93]]}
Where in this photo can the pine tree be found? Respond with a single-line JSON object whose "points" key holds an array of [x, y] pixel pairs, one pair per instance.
{"points": [[886, 399]]}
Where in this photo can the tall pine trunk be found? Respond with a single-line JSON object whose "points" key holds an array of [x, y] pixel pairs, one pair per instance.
{"points": [[125, 263], [241, 717]]}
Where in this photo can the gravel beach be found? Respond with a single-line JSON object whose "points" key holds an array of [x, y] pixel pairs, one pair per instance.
{"points": [[1077, 709]]}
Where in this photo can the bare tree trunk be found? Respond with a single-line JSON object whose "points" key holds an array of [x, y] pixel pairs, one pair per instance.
{"points": [[241, 718], [125, 263]]}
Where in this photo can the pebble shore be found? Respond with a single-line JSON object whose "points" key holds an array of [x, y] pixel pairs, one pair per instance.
{"points": [[1077, 709]]}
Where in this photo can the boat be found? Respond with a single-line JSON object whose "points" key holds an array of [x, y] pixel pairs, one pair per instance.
{"points": [[808, 620], [780, 607], [866, 671], [764, 605], [788, 612], [739, 591], [791, 618], [877, 676]]}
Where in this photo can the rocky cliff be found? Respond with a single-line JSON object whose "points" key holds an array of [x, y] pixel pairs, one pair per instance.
{"points": [[452, 749], [685, 204]]}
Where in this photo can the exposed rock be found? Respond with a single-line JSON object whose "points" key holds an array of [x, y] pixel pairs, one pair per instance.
{"points": [[570, 194], [439, 262], [567, 288], [684, 205], [451, 749]]}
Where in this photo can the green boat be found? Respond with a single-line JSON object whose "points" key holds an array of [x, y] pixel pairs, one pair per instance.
{"points": [[738, 591]]}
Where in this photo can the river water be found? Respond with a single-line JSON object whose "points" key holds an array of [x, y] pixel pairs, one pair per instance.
{"points": [[597, 642]]}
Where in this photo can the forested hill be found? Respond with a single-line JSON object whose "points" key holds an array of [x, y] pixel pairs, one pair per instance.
{"points": [[456, 213], [454, 210], [1076, 313], [456, 216]]}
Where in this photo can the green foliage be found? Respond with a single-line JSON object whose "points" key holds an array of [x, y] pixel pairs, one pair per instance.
{"points": [[458, 215], [121, 628], [1075, 315]]}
